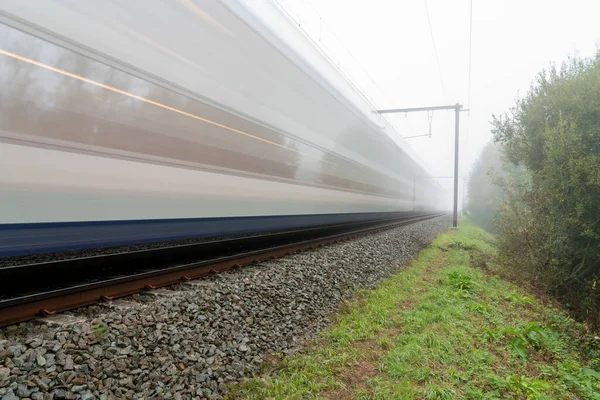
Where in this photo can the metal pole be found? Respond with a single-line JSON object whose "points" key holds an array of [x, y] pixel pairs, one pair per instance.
{"points": [[412, 109], [456, 124], [457, 109]]}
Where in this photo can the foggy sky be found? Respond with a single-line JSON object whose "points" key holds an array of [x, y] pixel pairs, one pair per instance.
{"points": [[512, 41]]}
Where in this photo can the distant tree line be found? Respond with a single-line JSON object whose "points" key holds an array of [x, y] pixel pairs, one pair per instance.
{"points": [[538, 185]]}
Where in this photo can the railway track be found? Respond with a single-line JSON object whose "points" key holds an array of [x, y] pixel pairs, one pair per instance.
{"points": [[33, 290]]}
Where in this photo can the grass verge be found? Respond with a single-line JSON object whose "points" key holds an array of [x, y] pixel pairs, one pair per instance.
{"points": [[441, 329]]}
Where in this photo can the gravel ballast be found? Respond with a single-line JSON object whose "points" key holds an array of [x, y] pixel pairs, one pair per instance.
{"points": [[194, 340]]}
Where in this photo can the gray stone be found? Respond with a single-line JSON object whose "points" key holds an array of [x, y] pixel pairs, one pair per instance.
{"points": [[41, 361], [43, 386], [237, 367], [37, 396], [87, 395], [78, 388], [23, 391], [50, 360], [158, 347], [243, 347], [68, 364], [17, 361], [10, 396], [17, 350], [120, 365]]}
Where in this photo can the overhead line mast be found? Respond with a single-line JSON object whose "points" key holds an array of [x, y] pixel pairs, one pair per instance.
{"points": [[457, 109]]}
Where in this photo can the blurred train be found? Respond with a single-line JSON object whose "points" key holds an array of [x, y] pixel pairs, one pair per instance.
{"points": [[148, 120]]}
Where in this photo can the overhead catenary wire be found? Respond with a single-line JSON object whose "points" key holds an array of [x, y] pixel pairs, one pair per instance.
{"points": [[297, 19], [469, 73], [465, 188], [323, 22], [340, 42], [437, 59], [470, 52]]}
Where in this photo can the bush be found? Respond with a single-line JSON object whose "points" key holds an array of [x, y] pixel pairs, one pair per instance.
{"points": [[548, 221], [485, 197]]}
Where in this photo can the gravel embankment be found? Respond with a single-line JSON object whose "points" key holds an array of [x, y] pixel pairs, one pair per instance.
{"points": [[193, 340]]}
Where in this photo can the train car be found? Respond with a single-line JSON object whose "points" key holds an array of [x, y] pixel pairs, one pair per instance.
{"points": [[144, 120]]}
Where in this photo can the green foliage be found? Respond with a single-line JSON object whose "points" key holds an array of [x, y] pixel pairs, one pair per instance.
{"points": [[539, 185], [99, 331], [532, 335], [413, 338], [485, 197], [491, 181], [590, 372], [434, 392], [460, 281], [489, 335], [524, 386], [555, 133], [482, 308], [518, 298]]}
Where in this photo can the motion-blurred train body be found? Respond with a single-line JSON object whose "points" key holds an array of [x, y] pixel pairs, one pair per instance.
{"points": [[147, 120]]}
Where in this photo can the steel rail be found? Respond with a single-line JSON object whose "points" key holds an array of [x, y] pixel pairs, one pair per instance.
{"points": [[153, 273]]}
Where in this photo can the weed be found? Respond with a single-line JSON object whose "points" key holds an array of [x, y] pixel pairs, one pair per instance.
{"points": [[482, 308], [531, 335], [434, 392], [458, 375], [440, 332], [590, 372], [461, 282], [385, 343], [489, 335], [100, 331], [519, 299], [524, 386], [382, 389]]}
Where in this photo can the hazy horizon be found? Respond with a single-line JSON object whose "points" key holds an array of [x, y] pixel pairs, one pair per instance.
{"points": [[512, 42]]}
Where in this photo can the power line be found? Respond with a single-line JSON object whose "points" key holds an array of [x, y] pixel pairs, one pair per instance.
{"points": [[330, 57], [465, 188], [324, 52], [437, 60], [324, 22], [470, 47], [340, 42], [469, 84]]}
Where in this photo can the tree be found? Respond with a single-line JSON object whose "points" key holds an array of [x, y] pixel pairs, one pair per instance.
{"points": [[555, 133], [485, 196]]}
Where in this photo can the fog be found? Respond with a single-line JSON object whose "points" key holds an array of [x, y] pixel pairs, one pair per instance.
{"points": [[387, 48]]}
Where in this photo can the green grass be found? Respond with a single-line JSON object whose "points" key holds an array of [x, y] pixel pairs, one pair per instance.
{"points": [[441, 329], [99, 331]]}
